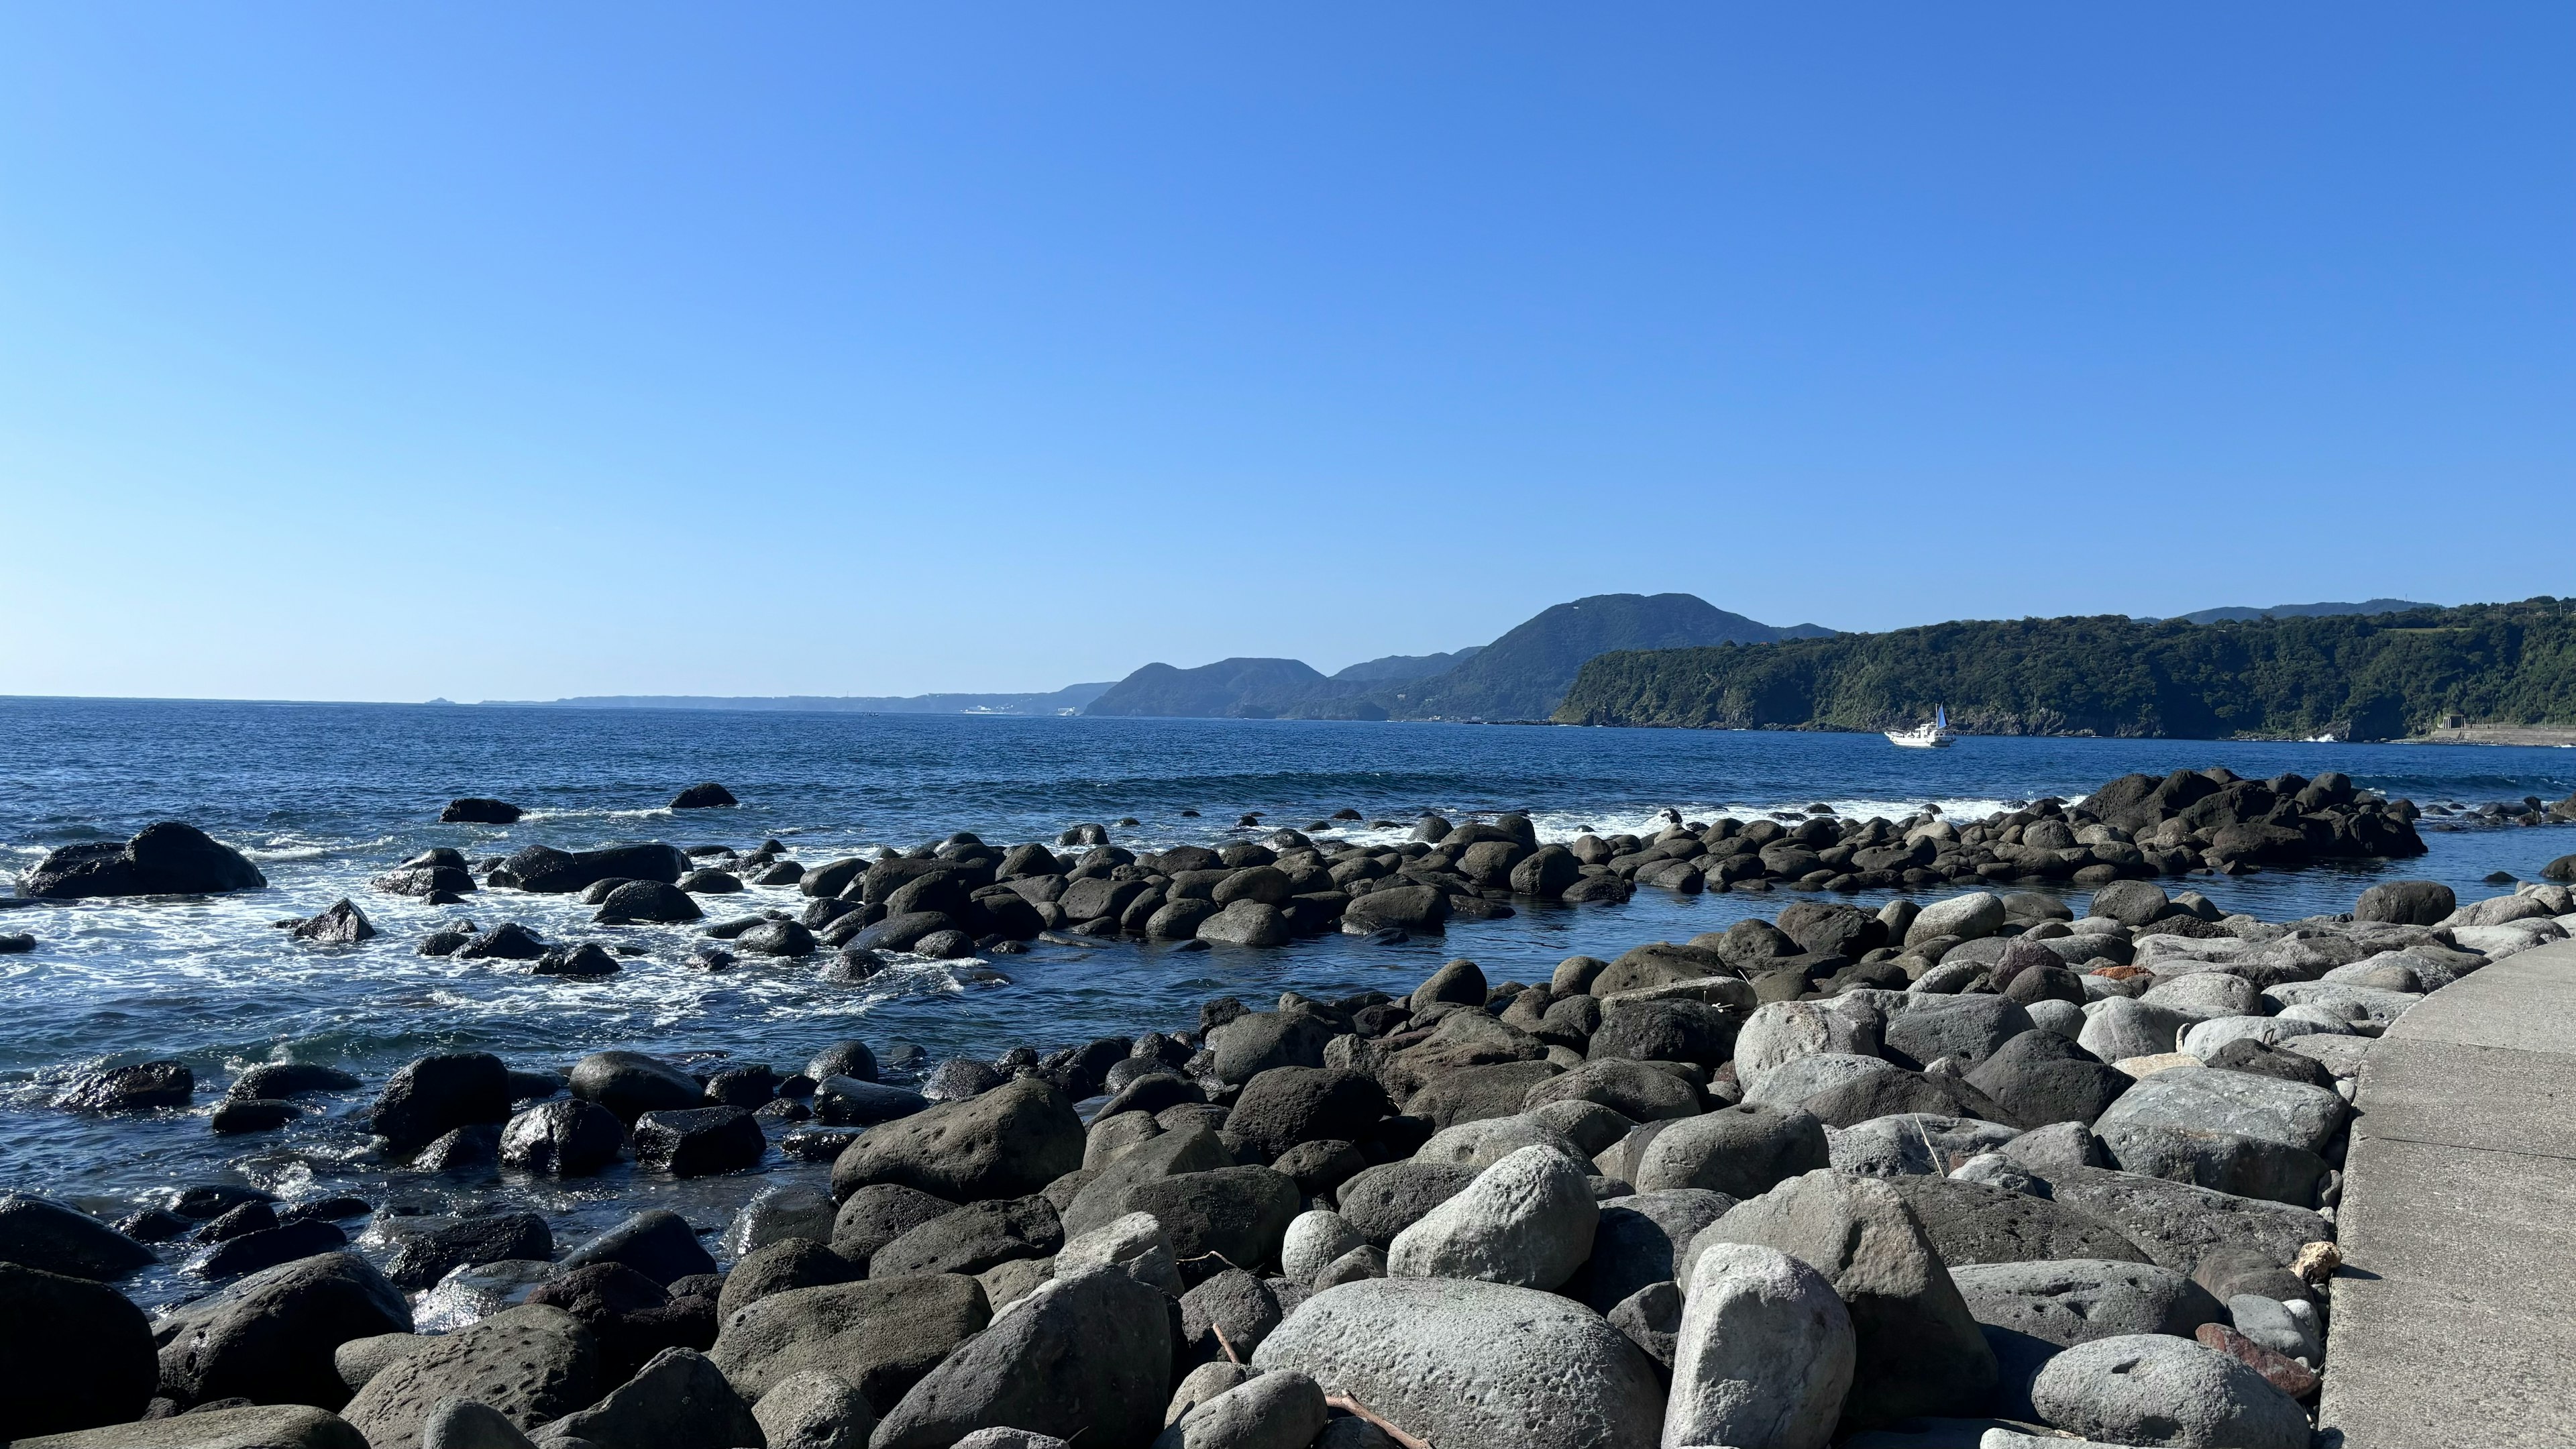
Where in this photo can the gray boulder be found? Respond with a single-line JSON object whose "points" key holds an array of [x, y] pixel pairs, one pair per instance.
{"points": [[1792, 1082], [1232, 1216], [1912, 1144], [1970, 1222], [1237, 1304], [1313, 1242], [1257, 1041], [1483, 1143], [270, 1337], [2119, 1027], [2176, 1224], [1008, 1142], [1978, 913], [533, 1364], [2151, 1389], [1639, 1241], [631, 1084], [879, 1337], [284, 1426], [1089, 1355], [1764, 1356], [814, 1410], [1527, 1220], [1926, 1028], [875, 1216], [973, 1238], [1743, 1151], [2040, 1077], [464, 1424], [677, 1401], [1919, 1351], [1459, 1362], [1282, 1410], [1387, 1199], [776, 1214], [2067, 1301], [569, 1138]]}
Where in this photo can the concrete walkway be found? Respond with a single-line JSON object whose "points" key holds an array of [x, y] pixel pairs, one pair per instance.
{"points": [[2454, 1319]]}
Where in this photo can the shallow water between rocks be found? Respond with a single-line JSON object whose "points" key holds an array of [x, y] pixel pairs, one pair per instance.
{"points": [[324, 797]]}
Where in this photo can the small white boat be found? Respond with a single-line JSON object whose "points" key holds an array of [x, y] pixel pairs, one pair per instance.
{"points": [[1934, 736]]}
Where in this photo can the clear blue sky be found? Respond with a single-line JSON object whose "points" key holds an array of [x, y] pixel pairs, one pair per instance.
{"points": [[384, 351]]}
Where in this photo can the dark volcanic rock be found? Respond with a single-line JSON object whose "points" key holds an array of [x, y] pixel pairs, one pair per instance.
{"points": [[236, 1115], [546, 871], [587, 961], [424, 1258], [508, 941], [1285, 1106], [342, 925], [270, 1337], [655, 1243], [879, 1336], [631, 1084], [78, 1354], [252, 1252], [569, 1138], [648, 901], [291, 1079], [52, 1238], [477, 810], [708, 796], [972, 1238], [169, 858], [133, 1089], [433, 1095], [700, 1142], [631, 1317]]}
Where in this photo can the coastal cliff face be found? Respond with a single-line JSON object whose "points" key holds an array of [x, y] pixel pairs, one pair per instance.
{"points": [[2360, 677]]}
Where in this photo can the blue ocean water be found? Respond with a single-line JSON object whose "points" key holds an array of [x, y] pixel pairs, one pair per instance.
{"points": [[325, 796]]}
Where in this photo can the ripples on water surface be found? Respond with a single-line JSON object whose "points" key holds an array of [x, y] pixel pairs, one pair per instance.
{"points": [[325, 796]]}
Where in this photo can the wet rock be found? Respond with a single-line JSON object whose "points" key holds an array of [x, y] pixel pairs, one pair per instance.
{"points": [[460, 1149], [169, 858], [1090, 1355], [1919, 1351], [78, 1354], [479, 810], [51, 1238], [701, 1142], [708, 796], [341, 925], [1764, 1354], [846, 1101], [291, 1079], [532, 1364], [133, 1089], [1462, 1362], [424, 1258], [270, 1337], [648, 901], [2154, 1389], [252, 1252], [508, 941], [433, 1095], [630, 1084], [571, 1138], [655, 1243]]}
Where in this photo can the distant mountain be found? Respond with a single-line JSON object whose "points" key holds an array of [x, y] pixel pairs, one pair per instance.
{"points": [[1227, 689], [2241, 615], [1068, 700], [1524, 674], [1395, 667]]}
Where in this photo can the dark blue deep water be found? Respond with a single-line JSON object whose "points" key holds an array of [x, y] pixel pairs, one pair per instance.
{"points": [[325, 796]]}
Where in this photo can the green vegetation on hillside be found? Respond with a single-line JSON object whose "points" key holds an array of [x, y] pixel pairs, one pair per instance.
{"points": [[2373, 676]]}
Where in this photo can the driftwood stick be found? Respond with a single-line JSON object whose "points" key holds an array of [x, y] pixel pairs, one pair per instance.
{"points": [[1349, 1405], [1222, 1342]]}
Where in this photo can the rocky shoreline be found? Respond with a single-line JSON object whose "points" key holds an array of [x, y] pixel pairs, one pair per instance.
{"points": [[1949, 1175]]}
